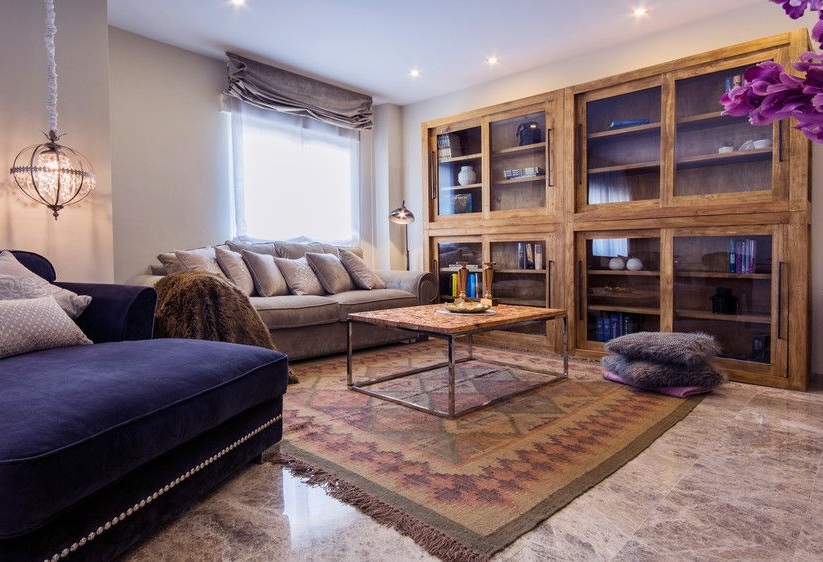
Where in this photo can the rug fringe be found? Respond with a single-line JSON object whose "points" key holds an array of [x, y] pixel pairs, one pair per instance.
{"points": [[431, 539]]}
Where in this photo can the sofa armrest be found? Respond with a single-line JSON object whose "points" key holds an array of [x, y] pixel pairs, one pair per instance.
{"points": [[420, 283], [116, 312]]}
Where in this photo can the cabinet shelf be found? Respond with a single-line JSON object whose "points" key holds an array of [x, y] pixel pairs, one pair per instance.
{"points": [[636, 167], [461, 187], [727, 158], [723, 275], [526, 271], [520, 149], [704, 315], [711, 118], [625, 272], [521, 180], [626, 131], [627, 309], [459, 158], [522, 302]]}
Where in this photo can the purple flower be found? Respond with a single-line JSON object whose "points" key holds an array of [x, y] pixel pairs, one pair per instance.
{"points": [[796, 8]]}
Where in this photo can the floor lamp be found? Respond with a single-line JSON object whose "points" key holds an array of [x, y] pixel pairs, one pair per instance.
{"points": [[402, 215]]}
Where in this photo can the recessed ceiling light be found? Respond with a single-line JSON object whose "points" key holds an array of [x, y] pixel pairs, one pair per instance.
{"points": [[492, 60], [238, 3], [414, 73], [640, 11]]}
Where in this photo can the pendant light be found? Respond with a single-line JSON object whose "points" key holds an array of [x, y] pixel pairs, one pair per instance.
{"points": [[52, 174]]}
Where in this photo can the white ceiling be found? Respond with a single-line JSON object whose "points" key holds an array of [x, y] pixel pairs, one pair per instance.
{"points": [[371, 45]]}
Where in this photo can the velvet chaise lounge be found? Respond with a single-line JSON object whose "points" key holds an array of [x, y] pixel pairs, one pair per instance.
{"points": [[102, 444]]}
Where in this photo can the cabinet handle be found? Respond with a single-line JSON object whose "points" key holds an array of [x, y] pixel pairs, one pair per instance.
{"points": [[551, 160], [780, 276], [780, 141], [551, 272], [432, 174], [580, 154], [579, 283]]}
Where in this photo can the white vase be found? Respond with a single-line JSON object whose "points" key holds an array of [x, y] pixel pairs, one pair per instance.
{"points": [[466, 175]]}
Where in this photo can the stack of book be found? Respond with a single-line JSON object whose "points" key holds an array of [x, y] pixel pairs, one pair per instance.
{"points": [[616, 324], [530, 172], [474, 285], [448, 146], [742, 252]]}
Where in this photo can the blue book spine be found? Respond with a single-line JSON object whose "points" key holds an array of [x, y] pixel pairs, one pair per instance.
{"points": [[732, 264]]}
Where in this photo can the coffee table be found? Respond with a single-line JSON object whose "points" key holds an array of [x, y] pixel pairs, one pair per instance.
{"points": [[433, 320]]}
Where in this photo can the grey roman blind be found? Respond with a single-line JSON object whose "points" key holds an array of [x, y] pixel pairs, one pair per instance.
{"points": [[273, 88]]}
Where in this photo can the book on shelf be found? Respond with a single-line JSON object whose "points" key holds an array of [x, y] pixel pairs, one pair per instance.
{"points": [[469, 266], [615, 324], [525, 255], [530, 172], [620, 123], [449, 142], [742, 255]]}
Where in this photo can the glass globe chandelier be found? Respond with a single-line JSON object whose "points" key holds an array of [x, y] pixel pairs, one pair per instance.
{"points": [[52, 174]]}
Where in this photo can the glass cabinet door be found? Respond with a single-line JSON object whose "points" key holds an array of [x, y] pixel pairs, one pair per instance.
{"points": [[450, 255], [715, 153], [519, 162], [618, 286], [619, 154], [458, 178], [724, 286], [521, 271]]}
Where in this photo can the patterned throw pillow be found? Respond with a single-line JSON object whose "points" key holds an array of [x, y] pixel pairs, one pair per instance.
{"points": [[268, 281], [299, 276], [236, 270], [190, 260], [18, 282], [363, 277], [34, 324], [330, 271]]}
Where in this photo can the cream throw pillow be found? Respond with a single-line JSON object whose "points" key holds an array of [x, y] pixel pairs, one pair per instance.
{"points": [[363, 277], [330, 271], [18, 282], [235, 269], [299, 276], [268, 281], [192, 260], [34, 324]]}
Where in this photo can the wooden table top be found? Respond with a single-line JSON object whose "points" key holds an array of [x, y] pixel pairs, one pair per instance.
{"points": [[426, 318]]}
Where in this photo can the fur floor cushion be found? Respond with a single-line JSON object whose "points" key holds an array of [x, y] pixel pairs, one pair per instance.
{"points": [[666, 347], [202, 306], [646, 374]]}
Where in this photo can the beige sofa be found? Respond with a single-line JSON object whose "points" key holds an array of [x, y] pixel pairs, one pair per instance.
{"points": [[304, 326]]}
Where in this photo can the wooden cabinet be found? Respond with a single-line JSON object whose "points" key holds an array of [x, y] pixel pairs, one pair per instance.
{"points": [[641, 195]]}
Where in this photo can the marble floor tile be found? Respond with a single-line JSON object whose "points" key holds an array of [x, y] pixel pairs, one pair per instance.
{"points": [[740, 478]]}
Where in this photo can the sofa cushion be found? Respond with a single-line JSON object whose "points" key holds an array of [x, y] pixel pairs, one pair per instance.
{"points": [[18, 282], [296, 250], [376, 299], [330, 271], [268, 281], [172, 264], [236, 270], [76, 419], [295, 311], [189, 260], [299, 276], [32, 324], [363, 277], [256, 247]]}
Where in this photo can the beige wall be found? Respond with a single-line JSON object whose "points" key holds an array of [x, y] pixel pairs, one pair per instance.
{"points": [[755, 21], [388, 181], [170, 165], [80, 242]]}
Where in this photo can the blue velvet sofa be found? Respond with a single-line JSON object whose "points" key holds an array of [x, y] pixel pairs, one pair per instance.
{"points": [[102, 444]]}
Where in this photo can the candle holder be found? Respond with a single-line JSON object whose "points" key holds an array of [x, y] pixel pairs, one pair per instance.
{"points": [[462, 279], [488, 277]]}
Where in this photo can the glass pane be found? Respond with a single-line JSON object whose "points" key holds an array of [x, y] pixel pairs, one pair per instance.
{"points": [[723, 286], [449, 257], [459, 172], [519, 272], [717, 154], [622, 286], [623, 147], [519, 162]]}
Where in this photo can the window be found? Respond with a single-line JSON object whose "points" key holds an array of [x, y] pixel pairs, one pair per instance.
{"points": [[294, 176]]}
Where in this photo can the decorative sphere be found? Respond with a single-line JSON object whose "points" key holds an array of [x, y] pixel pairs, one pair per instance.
{"points": [[634, 264], [617, 263]]}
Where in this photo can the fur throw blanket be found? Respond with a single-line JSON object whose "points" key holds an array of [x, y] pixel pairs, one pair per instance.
{"points": [[202, 306]]}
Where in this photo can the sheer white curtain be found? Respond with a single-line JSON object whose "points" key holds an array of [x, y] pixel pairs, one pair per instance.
{"points": [[294, 176]]}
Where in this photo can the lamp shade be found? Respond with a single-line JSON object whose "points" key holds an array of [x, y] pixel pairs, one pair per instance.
{"points": [[401, 215]]}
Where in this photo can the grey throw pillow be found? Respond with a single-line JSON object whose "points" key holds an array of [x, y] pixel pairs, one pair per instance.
{"points": [[236, 270], [666, 347], [268, 281], [172, 263], [363, 277], [297, 250], [299, 276], [18, 282], [35, 324], [191, 260], [330, 271], [256, 247], [646, 374]]}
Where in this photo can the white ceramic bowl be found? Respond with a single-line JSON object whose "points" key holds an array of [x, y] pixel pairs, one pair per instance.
{"points": [[763, 143]]}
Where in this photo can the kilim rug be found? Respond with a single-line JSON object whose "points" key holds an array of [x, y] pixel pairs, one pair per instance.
{"points": [[464, 489]]}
